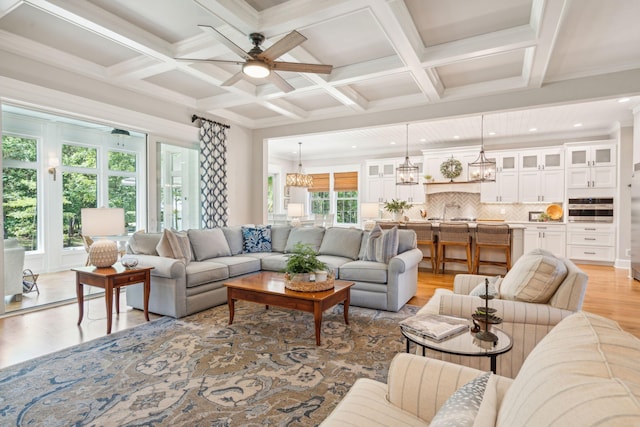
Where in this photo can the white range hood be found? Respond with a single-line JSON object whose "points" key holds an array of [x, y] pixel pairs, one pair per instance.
{"points": [[451, 187]]}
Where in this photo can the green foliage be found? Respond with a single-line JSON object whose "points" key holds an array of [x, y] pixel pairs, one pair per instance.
{"points": [[397, 205], [451, 168], [303, 259]]}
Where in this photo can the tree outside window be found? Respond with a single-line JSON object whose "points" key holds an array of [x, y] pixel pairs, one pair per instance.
{"points": [[347, 207], [320, 202]]}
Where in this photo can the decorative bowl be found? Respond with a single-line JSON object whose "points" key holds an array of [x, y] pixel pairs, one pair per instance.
{"points": [[554, 211], [129, 263]]}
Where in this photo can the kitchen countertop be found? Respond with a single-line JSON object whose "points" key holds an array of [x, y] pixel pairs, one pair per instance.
{"points": [[472, 225]]}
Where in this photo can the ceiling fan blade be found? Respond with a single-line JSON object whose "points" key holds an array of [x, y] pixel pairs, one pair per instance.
{"points": [[233, 79], [224, 40], [282, 46], [219, 61], [301, 67], [280, 82]]}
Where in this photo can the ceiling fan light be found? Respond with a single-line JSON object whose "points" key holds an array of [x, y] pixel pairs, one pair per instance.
{"points": [[256, 69]]}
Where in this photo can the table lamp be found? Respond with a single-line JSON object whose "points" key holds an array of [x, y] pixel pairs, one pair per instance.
{"points": [[295, 211], [369, 213], [101, 223]]}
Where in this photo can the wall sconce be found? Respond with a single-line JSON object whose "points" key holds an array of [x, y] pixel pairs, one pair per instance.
{"points": [[53, 171]]}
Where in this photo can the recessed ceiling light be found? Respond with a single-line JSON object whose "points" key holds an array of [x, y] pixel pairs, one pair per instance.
{"points": [[533, 129], [492, 133], [621, 100], [577, 125], [354, 146], [423, 139], [456, 136], [392, 143]]}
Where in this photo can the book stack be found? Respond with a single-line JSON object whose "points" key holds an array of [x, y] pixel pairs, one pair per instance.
{"points": [[434, 327]]}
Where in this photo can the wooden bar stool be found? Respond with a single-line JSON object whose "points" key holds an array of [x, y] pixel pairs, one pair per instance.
{"points": [[496, 236], [426, 237], [454, 234]]}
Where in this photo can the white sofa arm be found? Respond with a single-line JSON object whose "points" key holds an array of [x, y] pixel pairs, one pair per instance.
{"points": [[405, 261], [163, 267], [421, 385], [463, 284]]}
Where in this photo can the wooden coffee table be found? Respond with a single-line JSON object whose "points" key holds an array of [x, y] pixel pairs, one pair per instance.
{"points": [[268, 288]]}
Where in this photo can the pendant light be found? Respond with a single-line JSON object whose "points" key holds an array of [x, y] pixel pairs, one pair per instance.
{"points": [[299, 179], [407, 173], [482, 169]]}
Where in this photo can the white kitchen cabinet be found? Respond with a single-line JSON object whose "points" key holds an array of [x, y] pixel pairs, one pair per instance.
{"points": [[591, 242], [541, 186], [381, 180], [542, 159], [433, 160], [591, 166], [551, 237], [505, 188]]}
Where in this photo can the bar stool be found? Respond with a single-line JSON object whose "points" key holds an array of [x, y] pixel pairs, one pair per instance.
{"points": [[426, 237], [496, 236], [454, 234]]}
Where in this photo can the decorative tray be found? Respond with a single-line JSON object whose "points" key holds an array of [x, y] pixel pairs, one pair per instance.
{"points": [[301, 286], [491, 319]]}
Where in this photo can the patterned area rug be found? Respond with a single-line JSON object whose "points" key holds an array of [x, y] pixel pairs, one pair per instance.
{"points": [[265, 369]]}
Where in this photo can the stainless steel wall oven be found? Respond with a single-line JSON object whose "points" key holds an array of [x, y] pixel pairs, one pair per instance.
{"points": [[590, 209]]}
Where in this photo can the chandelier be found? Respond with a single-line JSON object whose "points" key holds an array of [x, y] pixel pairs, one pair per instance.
{"points": [[407, 173], [482, 169], [299, 179]]}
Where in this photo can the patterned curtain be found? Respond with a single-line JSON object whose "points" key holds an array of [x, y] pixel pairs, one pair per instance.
{"points": [[213, 174]]}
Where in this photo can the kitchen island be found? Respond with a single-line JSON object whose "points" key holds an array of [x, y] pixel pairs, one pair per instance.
{"points": [[517, 245]]}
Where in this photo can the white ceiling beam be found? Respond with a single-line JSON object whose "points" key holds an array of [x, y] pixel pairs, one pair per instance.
{"points": [[140, 67], [237, 14], [475, 47], [396, 23], [546, 19], [485, 88], [374, 68], [285, 108]]}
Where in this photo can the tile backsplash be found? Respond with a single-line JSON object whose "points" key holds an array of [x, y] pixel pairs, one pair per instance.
{"points": [[470, 206]]}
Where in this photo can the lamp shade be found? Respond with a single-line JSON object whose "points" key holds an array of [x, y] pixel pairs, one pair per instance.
{"points": [[295, 210], [369, 210], [100, 222]]}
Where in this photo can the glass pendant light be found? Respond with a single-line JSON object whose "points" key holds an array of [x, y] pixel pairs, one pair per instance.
{"points": [[407, 173], [482, 169]]}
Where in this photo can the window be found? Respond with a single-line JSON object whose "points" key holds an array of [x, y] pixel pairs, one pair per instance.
{"points": [[270, 195], [179, 191], [79, 189], [20, 180], [345, 184], [122, 186], [320, 202]]}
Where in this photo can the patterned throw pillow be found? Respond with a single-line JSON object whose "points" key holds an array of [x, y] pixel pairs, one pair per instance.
{"points": [[256, 239], [382, 245], [462, 407]]}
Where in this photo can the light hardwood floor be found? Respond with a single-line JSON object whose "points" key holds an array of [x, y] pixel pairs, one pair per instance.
{"points": [[610, 293]]}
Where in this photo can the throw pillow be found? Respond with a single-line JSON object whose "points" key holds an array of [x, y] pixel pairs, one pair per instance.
{"points": [[494, 285], [382, 245], [209, 243], [144, 243], [175, 245], [462, 407], [256, 239], [534, 278]]}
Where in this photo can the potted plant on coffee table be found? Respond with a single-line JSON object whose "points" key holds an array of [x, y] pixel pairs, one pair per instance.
{"points": [[302, 265], [397, 208]]}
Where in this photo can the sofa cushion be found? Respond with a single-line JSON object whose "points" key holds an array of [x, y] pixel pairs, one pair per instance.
{"points": [[341, 242], [279, 236], [306, 235], [461, 408], [199, 273], [364, 271], [382, 244], [142, 243], [256, 239], [333, 262], [239, 265], [276, 262], [585, 371], [209, 243], [233, 235], [535, 277], [407, 240], [175, 244]]}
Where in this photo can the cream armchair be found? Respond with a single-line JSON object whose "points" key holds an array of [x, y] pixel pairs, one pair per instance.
{"points": [[527, 323], [13, 264]]}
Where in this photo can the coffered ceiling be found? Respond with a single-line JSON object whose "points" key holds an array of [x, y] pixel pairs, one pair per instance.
{"points": [[386, 55]]}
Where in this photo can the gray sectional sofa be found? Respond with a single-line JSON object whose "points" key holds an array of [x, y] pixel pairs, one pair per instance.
{"points": [[183, 287]]}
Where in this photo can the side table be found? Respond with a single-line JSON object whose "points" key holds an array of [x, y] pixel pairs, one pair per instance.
{"points": [[464, 344], [112, 279]]}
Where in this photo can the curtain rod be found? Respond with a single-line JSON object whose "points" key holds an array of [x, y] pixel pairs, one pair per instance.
{"points": [[194, 118]]}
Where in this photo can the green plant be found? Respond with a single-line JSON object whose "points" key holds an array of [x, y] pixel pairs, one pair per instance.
{"points": [[451, 168], [303, 259], [427, 177], [397, 205]]}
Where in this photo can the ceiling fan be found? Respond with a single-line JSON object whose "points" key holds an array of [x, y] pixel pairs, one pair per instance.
{"points": [[260, 63]]}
